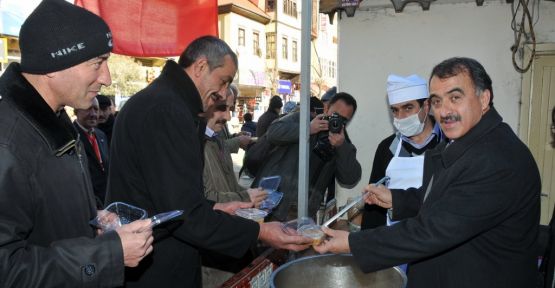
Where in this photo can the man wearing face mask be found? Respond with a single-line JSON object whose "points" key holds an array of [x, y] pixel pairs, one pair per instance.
{"points": [[401, 155]]}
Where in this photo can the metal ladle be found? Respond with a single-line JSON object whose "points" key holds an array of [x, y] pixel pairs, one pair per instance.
{"points": [[350, 205]]}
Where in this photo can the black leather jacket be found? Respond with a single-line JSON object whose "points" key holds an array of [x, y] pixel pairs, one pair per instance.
{"points": [[46, 198]]}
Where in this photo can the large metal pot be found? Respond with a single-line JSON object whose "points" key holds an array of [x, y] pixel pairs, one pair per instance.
{"points": [[334, 271]]}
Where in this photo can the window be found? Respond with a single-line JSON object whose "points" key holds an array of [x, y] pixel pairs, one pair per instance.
{"points": [[241, 37], [323, 66], [284, 48], [294, 51], [256, 44], [290, 8], [270, 6], [328, 67], [271, 45]]}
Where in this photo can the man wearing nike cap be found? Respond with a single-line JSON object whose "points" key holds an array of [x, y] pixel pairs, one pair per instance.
{"points": [[46, 196]]}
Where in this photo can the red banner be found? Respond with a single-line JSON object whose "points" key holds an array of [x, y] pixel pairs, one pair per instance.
{"points": [[155, 27]]}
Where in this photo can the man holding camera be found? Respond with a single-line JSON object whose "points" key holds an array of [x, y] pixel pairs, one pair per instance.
{"points": [[332, 156]]}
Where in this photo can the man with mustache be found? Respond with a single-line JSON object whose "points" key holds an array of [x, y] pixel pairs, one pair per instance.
{"points": [[474, 222], [220, 182], [220, 186]]}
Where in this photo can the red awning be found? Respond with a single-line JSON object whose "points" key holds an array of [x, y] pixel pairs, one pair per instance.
{"points": [[155, 27]]}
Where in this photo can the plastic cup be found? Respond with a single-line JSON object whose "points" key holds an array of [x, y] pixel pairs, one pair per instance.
{"points": [[252, 214], [314, 232], [116, 215]]}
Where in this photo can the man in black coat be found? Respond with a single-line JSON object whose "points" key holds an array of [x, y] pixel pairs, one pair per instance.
{"points": [[157, 163], [96, 147], [475, 220], [46, 197]]}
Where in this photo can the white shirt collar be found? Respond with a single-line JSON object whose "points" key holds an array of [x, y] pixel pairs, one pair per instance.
{"points": [[209, 132]]}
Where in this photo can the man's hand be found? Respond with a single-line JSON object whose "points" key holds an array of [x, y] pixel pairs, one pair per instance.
{"points": [[231, 207], [244, 141], [245, 133], [378, 195], [317, 124], [272, 234], [257, 195], [337, 139], [136, 240], [337, 242]]}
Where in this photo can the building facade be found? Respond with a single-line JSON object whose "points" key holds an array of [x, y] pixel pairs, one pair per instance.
{"points": [[266, 35]]}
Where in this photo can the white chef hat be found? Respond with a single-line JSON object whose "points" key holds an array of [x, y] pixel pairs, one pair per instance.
{"points": [[402, 89]]}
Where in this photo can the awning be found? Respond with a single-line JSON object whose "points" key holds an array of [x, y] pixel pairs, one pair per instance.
{"points": [[153, 28]]}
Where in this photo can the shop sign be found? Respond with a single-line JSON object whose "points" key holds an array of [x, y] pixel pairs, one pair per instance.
{"points": [[284, 87]]}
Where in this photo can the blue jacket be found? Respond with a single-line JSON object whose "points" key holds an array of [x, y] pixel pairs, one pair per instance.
{"points": [[249, 127]]}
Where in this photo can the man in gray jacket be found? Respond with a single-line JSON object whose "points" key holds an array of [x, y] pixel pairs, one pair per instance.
{"points": [[332, 156], [46, 197]]}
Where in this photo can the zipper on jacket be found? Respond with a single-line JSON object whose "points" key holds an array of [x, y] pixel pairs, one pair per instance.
{"points": [[84, 174], [65, 148]]}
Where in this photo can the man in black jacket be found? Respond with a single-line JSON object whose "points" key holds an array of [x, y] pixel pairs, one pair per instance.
{"points": [[157, 163], [474, 222], [269, 116], [46, 197]]}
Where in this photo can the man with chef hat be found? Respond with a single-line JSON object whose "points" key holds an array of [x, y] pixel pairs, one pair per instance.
{"points": [[401, 155]]}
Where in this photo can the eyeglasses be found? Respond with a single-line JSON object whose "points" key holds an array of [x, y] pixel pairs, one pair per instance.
{"points": [[223, 107]]}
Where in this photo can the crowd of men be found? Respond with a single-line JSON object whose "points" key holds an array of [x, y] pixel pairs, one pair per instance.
{"points": [[461, 207]]}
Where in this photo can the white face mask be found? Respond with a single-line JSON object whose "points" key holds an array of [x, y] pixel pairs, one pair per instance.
{"points": [[409, 126]]}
